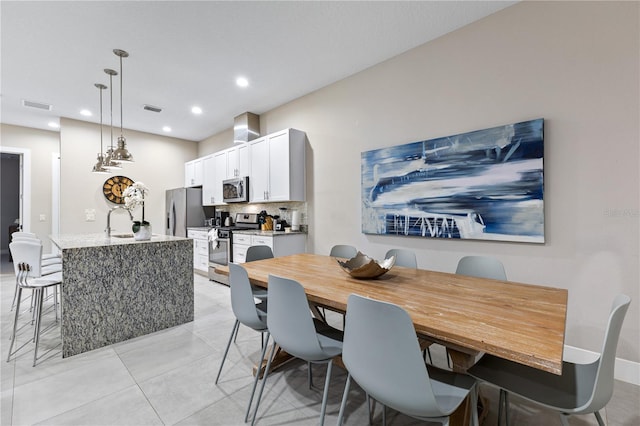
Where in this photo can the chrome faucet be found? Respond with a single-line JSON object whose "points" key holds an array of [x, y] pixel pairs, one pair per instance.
{"points": [[107, 231]]}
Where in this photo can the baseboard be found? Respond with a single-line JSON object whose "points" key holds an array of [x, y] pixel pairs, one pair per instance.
{"points": [[625, 370]]}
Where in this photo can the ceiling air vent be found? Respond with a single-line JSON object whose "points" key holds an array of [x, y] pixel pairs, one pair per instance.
{"points": [[38, 105], [152, 108]]}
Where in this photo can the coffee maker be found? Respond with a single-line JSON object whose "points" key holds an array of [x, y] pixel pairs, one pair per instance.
{"points": [[220, 218]]}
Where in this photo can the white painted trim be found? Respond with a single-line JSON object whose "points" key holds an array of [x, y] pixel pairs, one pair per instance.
{"points": [[25, 180], [55, 198], [625, 370]]}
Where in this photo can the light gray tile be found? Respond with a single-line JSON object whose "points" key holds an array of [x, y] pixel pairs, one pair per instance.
{"points": [[183, 391], [126, 407], [162, 352], [47, 397]]}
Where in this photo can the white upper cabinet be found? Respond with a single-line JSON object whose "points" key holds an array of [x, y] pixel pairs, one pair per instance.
{"points": [[208, 181], [238, 161], [193, 173], [277, 164]]}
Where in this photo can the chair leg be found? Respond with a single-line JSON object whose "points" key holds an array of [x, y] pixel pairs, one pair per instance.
{"points": [[325, 394], [599, 418], [15, 323], [309, 375], [384, 415], [15, 292], [506, 407], [255, 380], [235, 331], [564, 419], [264, 380], [474, 405], [426, 352], [343, 404], [39, 297], [369, 410], [224, 357], [500, 405]]}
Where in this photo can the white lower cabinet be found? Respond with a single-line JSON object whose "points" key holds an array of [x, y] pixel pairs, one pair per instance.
{"points": [[200, 249], [281, 244]]}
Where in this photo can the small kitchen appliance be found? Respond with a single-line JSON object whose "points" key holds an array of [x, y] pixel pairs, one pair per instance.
{"points": [[220, 218]]}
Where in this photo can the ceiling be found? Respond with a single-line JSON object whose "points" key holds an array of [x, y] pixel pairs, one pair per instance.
{"points": [[185, 54]]}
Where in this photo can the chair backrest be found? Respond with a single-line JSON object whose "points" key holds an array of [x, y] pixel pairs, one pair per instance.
{"points": [[382, 354], [289, 319], [242, 301], [258, 253], [405, 258], [19, 236], [29, 252], [481, 267], [603, 384], [343, 250]]}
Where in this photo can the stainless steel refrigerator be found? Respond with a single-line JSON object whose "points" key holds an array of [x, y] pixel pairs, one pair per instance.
{"points": [[183, 209]]}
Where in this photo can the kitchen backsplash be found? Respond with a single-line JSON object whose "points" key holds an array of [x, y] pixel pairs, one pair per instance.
{"points": [[272, 209]]}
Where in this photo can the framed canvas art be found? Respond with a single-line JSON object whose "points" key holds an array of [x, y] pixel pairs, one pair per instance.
{"points": [[484, 185]]}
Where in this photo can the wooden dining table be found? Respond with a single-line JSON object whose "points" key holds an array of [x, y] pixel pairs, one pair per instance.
{"points": [[468, 315]]}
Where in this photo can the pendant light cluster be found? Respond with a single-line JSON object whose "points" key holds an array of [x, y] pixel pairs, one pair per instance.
{"points": [[114, 155]]}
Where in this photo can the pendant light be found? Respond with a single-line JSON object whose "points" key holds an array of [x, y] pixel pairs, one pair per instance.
{"points": [[121, 153], [99, 167], [108, 162]]}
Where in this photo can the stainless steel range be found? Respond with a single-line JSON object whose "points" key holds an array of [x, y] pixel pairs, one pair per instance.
{"points": [[221, 250]]}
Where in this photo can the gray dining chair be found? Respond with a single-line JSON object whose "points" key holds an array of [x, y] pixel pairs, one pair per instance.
{"points": [[481, 267], [394, 372], [258, 252], [295, 331], [27, 255], [580, 389], [248, 313], [405, 258], [343, 250]]}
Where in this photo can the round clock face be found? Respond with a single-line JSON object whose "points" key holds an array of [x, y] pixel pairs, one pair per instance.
{"points": [[114, 187]]}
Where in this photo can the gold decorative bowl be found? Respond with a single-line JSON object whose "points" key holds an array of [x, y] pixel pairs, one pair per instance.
{"points": [[363, 267]]}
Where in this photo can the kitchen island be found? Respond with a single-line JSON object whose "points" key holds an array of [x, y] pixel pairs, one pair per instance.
{"points": [[116, 288]]}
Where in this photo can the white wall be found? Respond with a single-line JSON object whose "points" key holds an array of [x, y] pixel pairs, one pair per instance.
{"points": [[41, 144], [575, 64], [159, 163]]}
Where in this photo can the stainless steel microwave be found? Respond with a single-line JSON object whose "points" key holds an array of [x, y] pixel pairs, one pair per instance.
{"points": [[236, 190]]}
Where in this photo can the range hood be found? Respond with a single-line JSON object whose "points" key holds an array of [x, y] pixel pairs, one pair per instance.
{"points": [[246, 127]]}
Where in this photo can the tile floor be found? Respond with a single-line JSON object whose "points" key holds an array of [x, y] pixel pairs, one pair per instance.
{"points": [[167, 378]]}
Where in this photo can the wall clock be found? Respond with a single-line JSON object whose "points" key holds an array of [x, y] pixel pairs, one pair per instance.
{"points": [[114, 187]]}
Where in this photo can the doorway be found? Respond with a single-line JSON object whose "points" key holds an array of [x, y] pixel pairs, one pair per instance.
{"points": [[15, 181]]}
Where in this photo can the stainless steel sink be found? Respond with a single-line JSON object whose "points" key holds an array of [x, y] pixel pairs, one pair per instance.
{"points": [[122, 235]]}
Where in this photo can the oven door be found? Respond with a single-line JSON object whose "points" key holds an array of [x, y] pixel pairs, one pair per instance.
{"points": [[219, 255], [219, 252]]}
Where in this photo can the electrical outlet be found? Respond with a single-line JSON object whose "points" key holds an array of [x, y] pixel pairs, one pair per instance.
{"points": [[42, 218], [90, 215]]}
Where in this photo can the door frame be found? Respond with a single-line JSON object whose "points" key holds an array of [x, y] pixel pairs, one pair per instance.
{"points": [[25, 184]]}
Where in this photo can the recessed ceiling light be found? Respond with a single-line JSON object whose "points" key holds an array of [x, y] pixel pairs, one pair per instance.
{"points": [[54, 125], [196, 110], [166, 128], [242, 82], [86, 113]]}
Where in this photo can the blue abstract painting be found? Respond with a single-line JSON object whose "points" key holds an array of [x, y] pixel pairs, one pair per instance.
{"points": [[483, 185]]}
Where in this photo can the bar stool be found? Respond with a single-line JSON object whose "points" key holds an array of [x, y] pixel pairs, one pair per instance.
{"points": [[38, 284], [48, 258], [46, 267]]}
